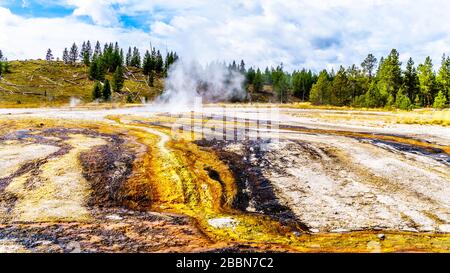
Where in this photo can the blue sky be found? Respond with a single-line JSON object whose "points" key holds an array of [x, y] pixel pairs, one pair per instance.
{"points": [[297, 33], [55, 9], [31, 9]]}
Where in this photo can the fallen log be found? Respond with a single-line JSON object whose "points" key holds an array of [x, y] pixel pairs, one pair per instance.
{"points": [[21, 93], [70, 82], [6, 90]]}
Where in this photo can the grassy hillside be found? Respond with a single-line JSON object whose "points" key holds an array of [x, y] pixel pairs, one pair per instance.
{"points": [[41, 83]]}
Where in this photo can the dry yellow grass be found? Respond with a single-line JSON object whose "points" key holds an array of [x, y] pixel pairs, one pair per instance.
{"points": [[433, 117]]}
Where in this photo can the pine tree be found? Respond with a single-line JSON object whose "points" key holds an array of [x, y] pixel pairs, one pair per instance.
{"points": [[380, 65], [101, 69], [93, 69], [267, 76], [242, 67], [98, 49], [170, 59], [86, 53], [410, 80], [2, 64], [49, 55], [136, 58], [159, 62], [358, 82], [86, 59], [121, 58], [116, 58], [320, 91], [280, 83], [250, 76], [108, 57], [106, 92], [65, 57], [89, 49], [443, 77], [394, 58], [340, 89], [4, 67], [151, 79], [302, 83], [83, 50], [369, 64], [233, 66], [147, 63], [118, 79], [389, 75], [128, 57], [96, 91], [73, 54], [427, 80], [373, 98], [106, 47], [96, 69], [258, 81], [153, 58]]}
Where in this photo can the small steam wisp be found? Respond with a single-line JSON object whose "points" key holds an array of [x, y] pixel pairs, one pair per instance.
{"points": [[74, 102]]}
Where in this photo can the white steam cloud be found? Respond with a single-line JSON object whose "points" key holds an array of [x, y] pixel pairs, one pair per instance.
{"points": [[187, 82]]}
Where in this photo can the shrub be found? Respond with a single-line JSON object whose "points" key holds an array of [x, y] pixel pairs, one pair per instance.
{"points": [[440, 101]]}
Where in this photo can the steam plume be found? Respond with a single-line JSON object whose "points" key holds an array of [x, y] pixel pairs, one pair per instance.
{"points": [[189, 81]]}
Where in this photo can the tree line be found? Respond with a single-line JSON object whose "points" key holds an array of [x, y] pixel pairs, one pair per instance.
{"points": [[387, 86], [373, 84], [4, 65], [111, 59]]}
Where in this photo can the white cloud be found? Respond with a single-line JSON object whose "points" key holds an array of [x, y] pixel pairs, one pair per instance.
{"points": [[100, 11], [313, 34], [26, 38]]}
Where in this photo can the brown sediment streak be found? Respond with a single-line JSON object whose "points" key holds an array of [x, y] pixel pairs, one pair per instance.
{"points": [[108, 182], [431, 147]]}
